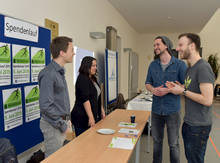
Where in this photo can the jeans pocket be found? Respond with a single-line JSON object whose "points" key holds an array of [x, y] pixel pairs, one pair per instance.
{"points": [[194, 130], [204, 136], [201, 135]]}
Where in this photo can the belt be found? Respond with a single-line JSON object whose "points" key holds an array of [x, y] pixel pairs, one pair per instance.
{"points": [[65, 117]]}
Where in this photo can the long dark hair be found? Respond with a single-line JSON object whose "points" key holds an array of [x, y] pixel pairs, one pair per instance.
{"points": [[85, 67]]}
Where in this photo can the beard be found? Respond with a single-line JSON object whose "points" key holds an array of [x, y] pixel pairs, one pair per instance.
{"points": [[158, 54], [185, 54]]}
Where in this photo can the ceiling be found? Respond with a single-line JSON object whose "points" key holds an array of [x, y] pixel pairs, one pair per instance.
{"points": [[151, 16]]}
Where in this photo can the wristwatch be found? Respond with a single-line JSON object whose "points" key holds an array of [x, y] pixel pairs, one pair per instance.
{"points": [[184, 92]]}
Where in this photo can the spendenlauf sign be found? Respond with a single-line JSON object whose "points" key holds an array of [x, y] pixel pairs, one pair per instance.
{"points": [[15, 28]]}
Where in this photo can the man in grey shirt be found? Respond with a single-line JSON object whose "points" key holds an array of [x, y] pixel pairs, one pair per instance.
{"points": [[54, 97], [198, 92]]}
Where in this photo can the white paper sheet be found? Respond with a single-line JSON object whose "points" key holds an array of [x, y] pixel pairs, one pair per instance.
{"points": [[129, 131], [123, 143], [127, 124]]}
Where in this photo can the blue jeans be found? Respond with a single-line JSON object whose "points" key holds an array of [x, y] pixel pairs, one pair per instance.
{"points": [[173, 124], [195, 140]]}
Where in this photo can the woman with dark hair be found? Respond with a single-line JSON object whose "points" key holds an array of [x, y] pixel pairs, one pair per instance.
{"points": [[87, 109]]}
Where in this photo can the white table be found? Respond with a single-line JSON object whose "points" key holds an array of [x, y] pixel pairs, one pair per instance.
{"points": [[142, 102]]}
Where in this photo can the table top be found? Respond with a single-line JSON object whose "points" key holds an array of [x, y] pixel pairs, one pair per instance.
{"points": [[93, 147], [140, 102]]}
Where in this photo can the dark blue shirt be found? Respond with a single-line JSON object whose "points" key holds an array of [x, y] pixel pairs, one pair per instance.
{"points": [[175, 71]]}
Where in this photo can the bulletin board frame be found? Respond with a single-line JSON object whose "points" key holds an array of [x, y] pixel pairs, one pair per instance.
{"points": [[27, 134], [111, 76]]}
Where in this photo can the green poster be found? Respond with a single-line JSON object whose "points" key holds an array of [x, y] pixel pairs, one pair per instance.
{"points": [[32, 109], [5, 64], [22, 56], [5, 54], [33, 95], [12, 102], [21, 64], [39, 57], [37, 62]]}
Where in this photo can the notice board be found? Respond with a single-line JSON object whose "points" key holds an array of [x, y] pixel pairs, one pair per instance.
{"points": [[111, 76], [24, 52]]}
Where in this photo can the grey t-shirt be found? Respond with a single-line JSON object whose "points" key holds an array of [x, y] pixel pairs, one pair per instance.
{"points": [[164, 66], [197, 114]]}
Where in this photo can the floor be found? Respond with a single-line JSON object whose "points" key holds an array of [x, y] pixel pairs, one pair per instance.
{"points": [[213, 146], [212, 152]]}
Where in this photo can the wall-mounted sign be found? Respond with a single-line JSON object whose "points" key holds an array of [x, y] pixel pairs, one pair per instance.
{"points": [[53, 26], [15, 28]]}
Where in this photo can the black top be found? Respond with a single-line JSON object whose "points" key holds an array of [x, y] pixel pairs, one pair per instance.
{"points": [[85, 90]]}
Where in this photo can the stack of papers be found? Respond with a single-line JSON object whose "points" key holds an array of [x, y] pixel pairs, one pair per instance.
{"points": [[127, 124], [123, 143], [129, 131]]}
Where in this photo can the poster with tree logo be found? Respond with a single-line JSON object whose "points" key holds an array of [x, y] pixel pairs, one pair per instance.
{"points": [[32, 109], [21, 64], [37, 62], [12, 106], [5, 64]]}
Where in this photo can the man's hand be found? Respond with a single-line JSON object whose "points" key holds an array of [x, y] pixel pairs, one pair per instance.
{"points": [[174, 88], [169, 84], [69, 128], [160, 91]]}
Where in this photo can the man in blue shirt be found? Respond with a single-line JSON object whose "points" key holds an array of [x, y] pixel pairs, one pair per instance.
{"points": [[166, 106]]}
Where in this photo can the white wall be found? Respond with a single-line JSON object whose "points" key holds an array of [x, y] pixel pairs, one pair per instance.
{"points": [[145, 53], [210, 36], [76, 19]]}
